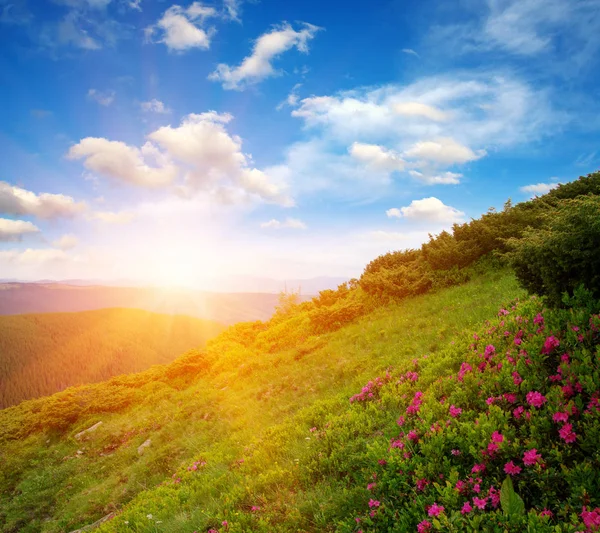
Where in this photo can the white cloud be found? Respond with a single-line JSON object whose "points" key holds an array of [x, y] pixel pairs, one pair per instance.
{"points": [[182, 29], [103, 98], [215, 158], [445, 151], [232, 9], [66, 242], [292, 98], [155, 106], [17, 201], [267, 48], [416, 109], [428, 209], [377, 157], [291, 223], [31, 256], [13, 230], [445, 178], [539, 188], [111, 217], [117, 160], [410, 51]]}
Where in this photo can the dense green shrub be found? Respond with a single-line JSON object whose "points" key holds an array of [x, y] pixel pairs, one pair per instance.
{"points": [[564, 254]]}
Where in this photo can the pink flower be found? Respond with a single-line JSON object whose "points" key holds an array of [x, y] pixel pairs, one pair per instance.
{"points": [[371, 486], [531, 457], [511, 469], [412, 435], [518, 412], [400, 421], [567, 434], [478, 468], [374, 503], [497, 437], [536, 399], [517, 379], [255, 508], [455, 452], [460, 485], [490, 400], [466, 508], [424, 526], [494, 496], [492, 448], [422, 483], [435, 510], [510, 397], [547, 512], [549, 345], [455, 411], [490, 350], [591, 519], [539, 319], [479, 502], [225, 524]]}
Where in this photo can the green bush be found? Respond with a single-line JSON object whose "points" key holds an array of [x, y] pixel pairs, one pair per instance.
{"points": [[564, 254]]}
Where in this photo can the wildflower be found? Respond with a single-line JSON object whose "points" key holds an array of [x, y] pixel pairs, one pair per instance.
{"points": [[225, 524], [591, 519], [460, 485], [312, 430], [517, 379], [435, 510], [536, 399], [512, 469], [539, 319], [494, 496], [490, 400], [382, 462], [565, 358], [424, 526], [422, 484], [371, 486], [255, 508], [518, 412], [492, 448], [479, 502], [477, 488], [490, 350], [412, 435], [497, 437], [510, 397], [567, 434], [455, 452], [547, 512], [549, 345], [374, 503], [455, 411], [400, 421], [149, 516], [478, 468], [466, 508], [531, 457], [568, 391]]}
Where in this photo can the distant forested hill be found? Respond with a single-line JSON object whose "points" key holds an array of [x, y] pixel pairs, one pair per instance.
{"points": [[41, 354], [227, 308]]}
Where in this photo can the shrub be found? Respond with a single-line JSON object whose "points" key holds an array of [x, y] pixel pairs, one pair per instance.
{"points": [[564, 254]]}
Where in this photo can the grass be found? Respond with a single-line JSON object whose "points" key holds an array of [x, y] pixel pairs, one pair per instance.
{"points": [[250, 404]]}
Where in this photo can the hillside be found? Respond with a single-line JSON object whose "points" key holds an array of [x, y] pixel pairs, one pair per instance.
{"points": [[41, 354], [431, 394], [226, 308]]}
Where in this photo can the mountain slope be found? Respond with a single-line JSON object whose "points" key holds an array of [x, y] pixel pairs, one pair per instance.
{"points": [[240, 395], [44, 353]]}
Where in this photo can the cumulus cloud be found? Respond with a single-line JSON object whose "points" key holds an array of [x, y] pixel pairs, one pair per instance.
{"points": [[17, 201], [155, 106], [103, 98], [258, 66], [215, 158], [538, 189], [118, 161], [292, 98], [427, 210], [444, 178], [291, 223], [377, 157], [182, 29], [112, 217], [66, 242], [32, 256], [445, 150], [417, 109], [13, 230]]}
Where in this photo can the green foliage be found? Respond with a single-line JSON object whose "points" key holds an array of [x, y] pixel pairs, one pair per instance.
{"points": [[45, 353], [564, 254], [512, 504]]}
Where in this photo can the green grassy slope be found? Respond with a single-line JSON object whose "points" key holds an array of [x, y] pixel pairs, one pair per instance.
{"points": [[44, 353], [241, 397]]}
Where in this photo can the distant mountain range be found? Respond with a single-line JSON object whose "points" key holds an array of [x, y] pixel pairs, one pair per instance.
{"points": [[239, 305]]}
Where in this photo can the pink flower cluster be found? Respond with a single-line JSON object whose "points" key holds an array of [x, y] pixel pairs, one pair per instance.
{"points": [[455, 411], [567, 434], [368, 391], [591, 519], [536, 399], [415, 405]]}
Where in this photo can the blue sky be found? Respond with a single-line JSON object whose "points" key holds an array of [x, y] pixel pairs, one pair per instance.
{"points": [[175, 142]]}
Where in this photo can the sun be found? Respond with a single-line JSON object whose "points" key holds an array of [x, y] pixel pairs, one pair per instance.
{"points": [[175, 271]]}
